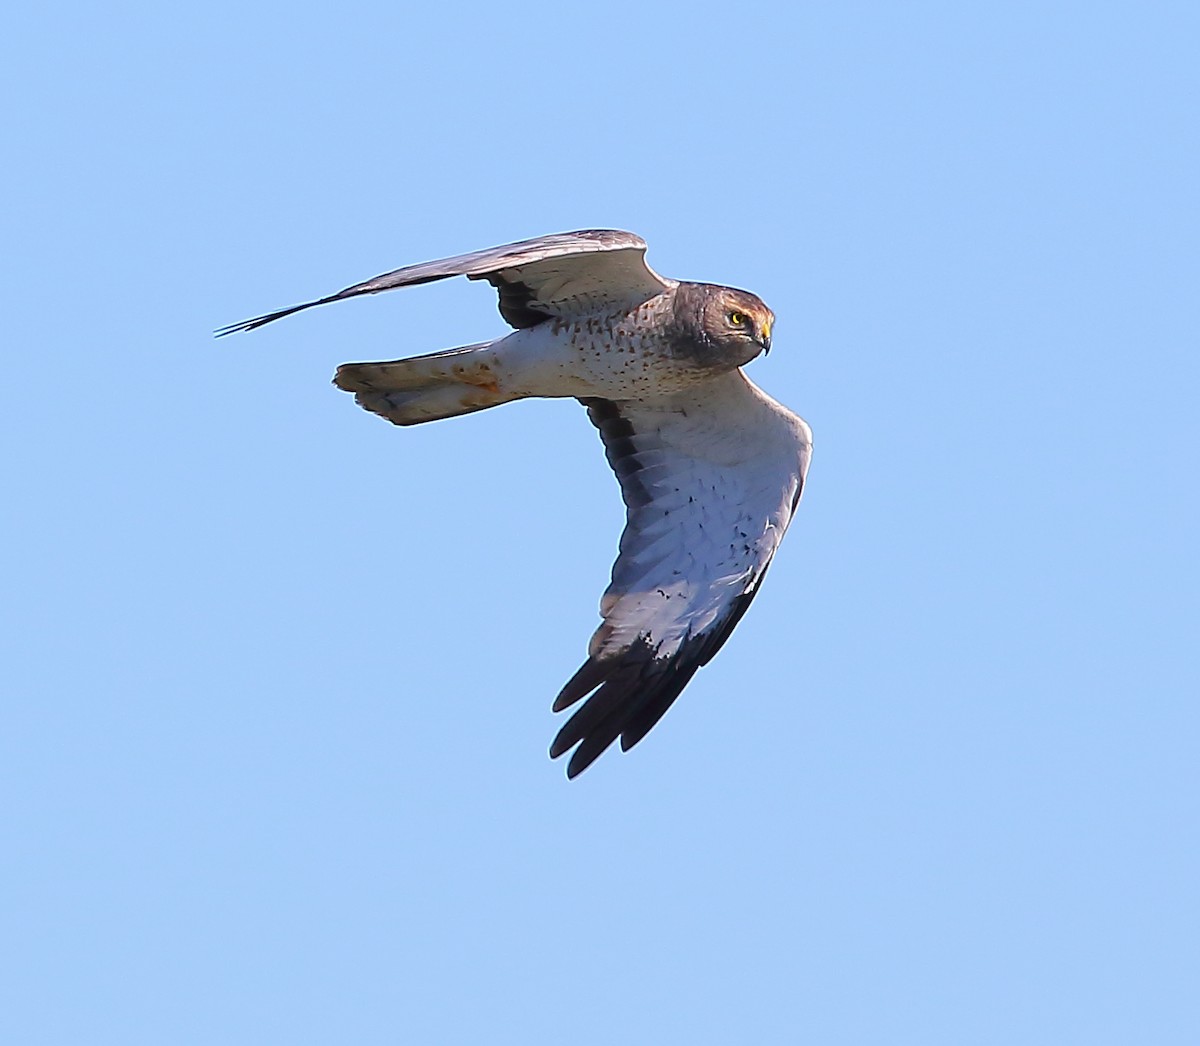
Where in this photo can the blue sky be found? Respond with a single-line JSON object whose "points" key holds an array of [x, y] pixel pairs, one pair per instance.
{"points": [[279, 675]]}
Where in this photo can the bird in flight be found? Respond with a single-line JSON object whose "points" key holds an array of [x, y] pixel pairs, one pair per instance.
{"points": [[710, 467]]}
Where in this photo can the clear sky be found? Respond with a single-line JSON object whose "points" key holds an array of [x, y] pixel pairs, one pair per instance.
{"points": [[277, 675]]}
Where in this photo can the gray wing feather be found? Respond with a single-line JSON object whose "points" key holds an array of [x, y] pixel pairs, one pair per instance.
{"points": [[710, 481], [537, 279]]}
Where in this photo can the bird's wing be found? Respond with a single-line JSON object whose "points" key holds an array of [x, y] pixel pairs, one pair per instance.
{"points": [[552, 276], [710, 480]]}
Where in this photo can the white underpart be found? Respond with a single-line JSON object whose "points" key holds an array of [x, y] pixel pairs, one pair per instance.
{"points": [[616, 354]]}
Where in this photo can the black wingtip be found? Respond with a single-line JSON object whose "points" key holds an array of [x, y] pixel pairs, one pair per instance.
{"points": [[635, 691], [558, 746], [590, 675], [260, 321], [582, 759]]}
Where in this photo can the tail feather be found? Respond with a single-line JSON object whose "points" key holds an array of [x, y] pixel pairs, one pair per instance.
{"points": [[426, 388]]}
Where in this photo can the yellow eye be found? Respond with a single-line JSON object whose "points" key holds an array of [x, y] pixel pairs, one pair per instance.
{"points": [[738, 319]]}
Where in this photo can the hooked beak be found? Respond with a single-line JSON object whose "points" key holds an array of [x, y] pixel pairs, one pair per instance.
{"points": [[765, 338]]}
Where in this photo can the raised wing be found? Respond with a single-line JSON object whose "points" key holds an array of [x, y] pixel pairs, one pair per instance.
{"points": [[551, 276], [710, 481]]}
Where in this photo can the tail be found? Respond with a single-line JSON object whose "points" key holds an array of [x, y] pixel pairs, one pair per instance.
{"points": [[426, 388]]}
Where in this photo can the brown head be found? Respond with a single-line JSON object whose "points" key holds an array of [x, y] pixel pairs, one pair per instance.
{"points": [[720, 327]]}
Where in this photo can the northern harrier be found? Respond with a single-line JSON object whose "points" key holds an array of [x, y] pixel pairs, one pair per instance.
{"points": [[710, 467]]}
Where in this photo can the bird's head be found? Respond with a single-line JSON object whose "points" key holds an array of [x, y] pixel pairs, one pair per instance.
{"points": [[734, 326], [740, 318]]}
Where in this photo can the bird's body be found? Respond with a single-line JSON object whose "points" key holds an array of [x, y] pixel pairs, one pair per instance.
{"points": [[613, 353], [710, 467]]}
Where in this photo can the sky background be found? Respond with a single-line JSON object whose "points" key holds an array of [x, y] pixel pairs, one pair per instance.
{"points": [[277, 676]]}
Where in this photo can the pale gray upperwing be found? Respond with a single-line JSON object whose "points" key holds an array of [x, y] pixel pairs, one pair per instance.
{"points": [[560, 275]]}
